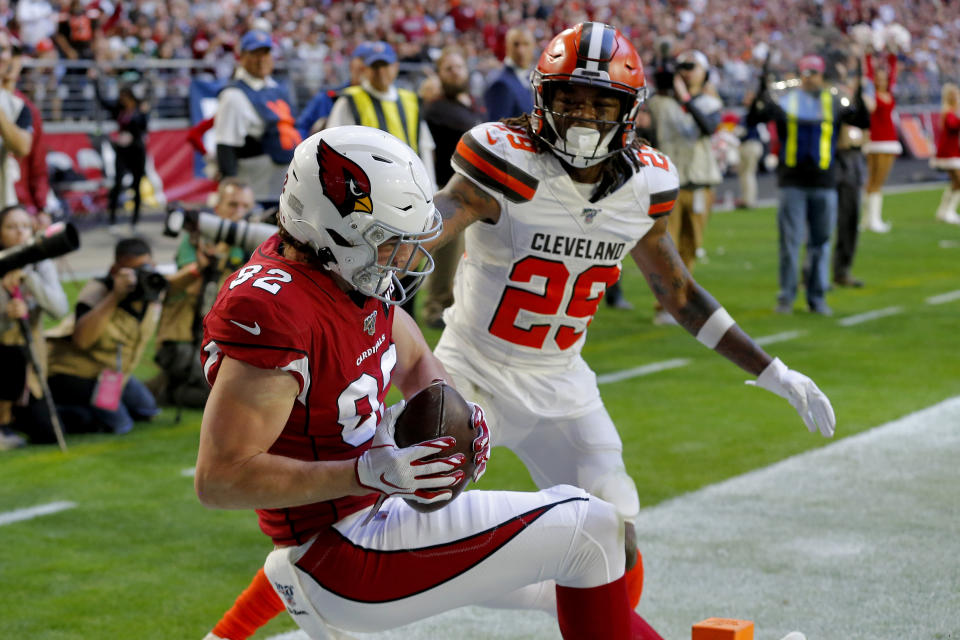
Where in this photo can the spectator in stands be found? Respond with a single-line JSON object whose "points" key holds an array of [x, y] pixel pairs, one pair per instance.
{"points": [[378, 103], [16, 126], [33, 187], [74, 36], [201, 269], [254, 125], [948, 153], [37, 21], [313, 118], [93, 354], [448, 117], [508, 93], [685, 118], [29, 293], [808, 120], [129, 146], [884, 145]]}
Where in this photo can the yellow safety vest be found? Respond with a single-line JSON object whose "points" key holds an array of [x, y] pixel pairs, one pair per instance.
{"points": [[400, 118], [826, 129]]}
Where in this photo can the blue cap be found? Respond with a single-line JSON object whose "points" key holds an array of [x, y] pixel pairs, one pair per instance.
{"points": [[255, 39], [362, 50], [379, 52]]}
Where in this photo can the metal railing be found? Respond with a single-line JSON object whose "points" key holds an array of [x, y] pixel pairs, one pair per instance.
{"points": [[64, 90]]}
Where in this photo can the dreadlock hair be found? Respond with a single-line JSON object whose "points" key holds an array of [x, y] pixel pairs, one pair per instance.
{"points": [[617, 169]]}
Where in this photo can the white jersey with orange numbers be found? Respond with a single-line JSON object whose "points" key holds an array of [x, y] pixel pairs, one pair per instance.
{"points": [[529, 285]]}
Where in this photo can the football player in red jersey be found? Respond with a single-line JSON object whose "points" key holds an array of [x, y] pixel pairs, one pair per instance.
{"points": [[550, 203], [301, 348]]}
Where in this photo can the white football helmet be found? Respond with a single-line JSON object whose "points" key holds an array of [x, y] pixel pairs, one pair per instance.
{"points": [[351, 189]]}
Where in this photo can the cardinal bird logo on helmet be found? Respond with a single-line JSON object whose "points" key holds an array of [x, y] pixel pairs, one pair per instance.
{"points": [[344, 182]]}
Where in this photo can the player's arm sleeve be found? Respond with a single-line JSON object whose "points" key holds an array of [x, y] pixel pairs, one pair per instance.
{"points": [[252, 329], [663, 185], [481, 157]]}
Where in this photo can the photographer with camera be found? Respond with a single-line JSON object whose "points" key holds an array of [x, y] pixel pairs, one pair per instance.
{"points": [[25, 295], [93, 354], [685, 114], [202, 266]]}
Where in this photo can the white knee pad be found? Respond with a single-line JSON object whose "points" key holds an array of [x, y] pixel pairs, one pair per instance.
{"points": [[619, 489], [597, 554]]}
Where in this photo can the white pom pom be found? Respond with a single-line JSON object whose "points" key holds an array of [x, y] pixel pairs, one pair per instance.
{"points": [[879, 39], [862, 34], [897, 37]]}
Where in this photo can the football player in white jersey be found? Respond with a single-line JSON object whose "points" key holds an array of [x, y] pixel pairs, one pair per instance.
{"points": [[550, 204]]}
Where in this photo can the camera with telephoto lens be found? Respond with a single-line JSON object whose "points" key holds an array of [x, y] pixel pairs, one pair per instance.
{"points": [[664, 67], [150, 285], [56, 240], [243, 234]]}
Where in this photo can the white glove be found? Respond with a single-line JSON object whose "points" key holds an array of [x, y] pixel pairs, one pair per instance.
{"points": [[481, 443], [389, 470], [802, 393]]}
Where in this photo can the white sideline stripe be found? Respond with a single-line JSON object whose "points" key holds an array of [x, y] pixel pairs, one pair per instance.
{"points": [[28, 513], [779, 337], [644, 370], [869, 315], [189, 472], [944, 297]]}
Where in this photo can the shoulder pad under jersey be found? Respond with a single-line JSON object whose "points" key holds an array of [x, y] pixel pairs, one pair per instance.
{"points": [[662, 180], [497, 158]]}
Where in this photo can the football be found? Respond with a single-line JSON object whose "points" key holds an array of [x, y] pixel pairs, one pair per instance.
{"points": [[435, 411]]}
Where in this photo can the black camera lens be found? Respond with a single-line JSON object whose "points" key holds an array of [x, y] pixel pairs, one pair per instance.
{"points": [[150, 285]]}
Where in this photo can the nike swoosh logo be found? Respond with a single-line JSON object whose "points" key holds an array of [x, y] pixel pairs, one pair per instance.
{"points": [[255, 329], [491, 139]]}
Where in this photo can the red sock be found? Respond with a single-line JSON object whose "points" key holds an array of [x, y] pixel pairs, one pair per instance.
{"points": [[599, 612], [635, 582], [253, 608]]}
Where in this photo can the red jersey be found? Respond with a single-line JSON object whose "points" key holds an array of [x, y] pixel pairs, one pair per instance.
{"points": [[278, 314], [882, 127], [948, 144]]}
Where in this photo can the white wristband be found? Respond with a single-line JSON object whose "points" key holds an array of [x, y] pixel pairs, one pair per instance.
{"points": [[714, 328]]}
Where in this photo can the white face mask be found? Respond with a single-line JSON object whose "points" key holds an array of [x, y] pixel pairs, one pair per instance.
{"points": [[583, 141]]}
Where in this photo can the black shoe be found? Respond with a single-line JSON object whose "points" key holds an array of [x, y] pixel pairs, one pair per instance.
{"points": [[848, 281], [820, 308], [620, 303]]}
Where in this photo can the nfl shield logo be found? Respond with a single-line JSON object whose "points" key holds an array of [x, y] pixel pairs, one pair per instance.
{"points": [[286, 590], [370, 323], [589, 213]]}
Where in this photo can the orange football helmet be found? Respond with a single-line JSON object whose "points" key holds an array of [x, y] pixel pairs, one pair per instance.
{"points": [[589, 54]]}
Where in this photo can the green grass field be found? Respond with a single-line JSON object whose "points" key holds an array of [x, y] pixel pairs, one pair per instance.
{"points": [[139, 557]]}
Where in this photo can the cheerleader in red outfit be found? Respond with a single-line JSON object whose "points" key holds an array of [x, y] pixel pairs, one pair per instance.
{"points": [[948, 152], [884, 147]]}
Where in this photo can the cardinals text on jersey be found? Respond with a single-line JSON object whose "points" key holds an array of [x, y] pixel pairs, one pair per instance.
{"points": [[548, 260], [340, 351]]}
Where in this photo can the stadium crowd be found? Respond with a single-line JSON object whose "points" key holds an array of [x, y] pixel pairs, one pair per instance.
{"points": [[318, 37]]}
